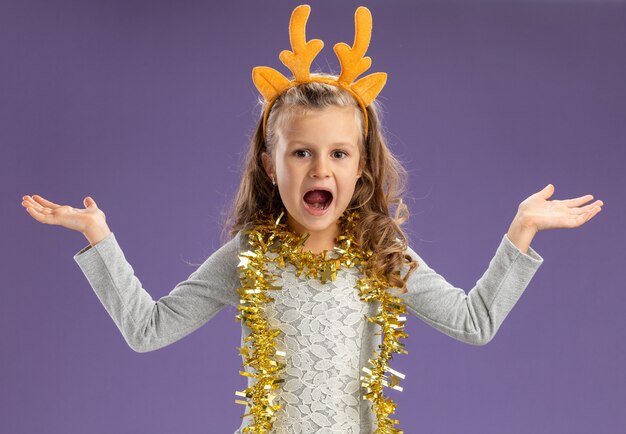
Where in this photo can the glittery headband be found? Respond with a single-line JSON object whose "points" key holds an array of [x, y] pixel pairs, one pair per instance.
{"points": [[272, 83]]}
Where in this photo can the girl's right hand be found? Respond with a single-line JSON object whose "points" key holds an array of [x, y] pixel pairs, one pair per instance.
{"points": [[82, 220]]}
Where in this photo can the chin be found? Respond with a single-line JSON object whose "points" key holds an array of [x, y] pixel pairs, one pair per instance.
{"points": [[315, 220]]}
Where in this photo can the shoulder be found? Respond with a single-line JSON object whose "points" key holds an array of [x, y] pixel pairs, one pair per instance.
{"points": [[235, 244], [226, 257], [415, 257], [408, 250]]}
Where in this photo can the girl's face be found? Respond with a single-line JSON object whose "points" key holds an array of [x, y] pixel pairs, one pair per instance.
{"points": [[316, 164]]}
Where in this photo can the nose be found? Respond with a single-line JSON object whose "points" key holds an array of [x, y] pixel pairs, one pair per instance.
{"points": [[320, 167]]}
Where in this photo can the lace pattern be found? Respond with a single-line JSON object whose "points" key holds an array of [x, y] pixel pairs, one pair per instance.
{"points": [[321, 326]]}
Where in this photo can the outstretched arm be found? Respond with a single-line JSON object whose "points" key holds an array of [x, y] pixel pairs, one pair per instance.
{"points": [[475, 317], [146, 324]]}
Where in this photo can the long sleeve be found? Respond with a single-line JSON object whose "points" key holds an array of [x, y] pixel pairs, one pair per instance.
{"points": [[148, 325], [474, 317]]}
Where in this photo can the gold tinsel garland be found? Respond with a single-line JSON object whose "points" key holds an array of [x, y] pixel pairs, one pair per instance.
{"points": [[269, 235]]}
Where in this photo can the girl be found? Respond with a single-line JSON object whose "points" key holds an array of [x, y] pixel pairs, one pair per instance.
{"points": [[316, 264]]}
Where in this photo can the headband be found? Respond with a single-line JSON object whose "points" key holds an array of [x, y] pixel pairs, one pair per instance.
{"points": [[271, 83]]}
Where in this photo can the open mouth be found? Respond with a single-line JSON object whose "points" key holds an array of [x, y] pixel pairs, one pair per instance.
{"points": [[318, 199]]}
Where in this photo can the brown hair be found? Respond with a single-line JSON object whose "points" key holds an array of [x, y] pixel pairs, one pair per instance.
{"points": [[382, 182]]}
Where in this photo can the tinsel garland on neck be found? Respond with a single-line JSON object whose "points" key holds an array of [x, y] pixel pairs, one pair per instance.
{"points": [[270, 235]]}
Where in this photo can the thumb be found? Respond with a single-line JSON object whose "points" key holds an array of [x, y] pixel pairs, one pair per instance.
{"points": [[89, 202], [547, 191]]}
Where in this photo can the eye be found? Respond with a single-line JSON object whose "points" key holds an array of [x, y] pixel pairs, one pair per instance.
{"points": [[300, 153]]}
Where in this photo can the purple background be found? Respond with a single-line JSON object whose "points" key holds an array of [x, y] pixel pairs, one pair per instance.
{"points": [[147, 106]]}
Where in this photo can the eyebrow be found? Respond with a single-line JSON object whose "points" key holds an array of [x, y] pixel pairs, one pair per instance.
{"points": [[302, 142]]}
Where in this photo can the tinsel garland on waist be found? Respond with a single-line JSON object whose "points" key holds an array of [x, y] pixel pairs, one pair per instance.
{"points": [[270, 235]]}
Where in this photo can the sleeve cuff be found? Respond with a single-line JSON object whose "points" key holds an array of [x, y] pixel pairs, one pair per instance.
{"points": [[90, 250], [531, 255]]}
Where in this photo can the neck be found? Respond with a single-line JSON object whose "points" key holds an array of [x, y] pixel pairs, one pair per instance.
{"points": [[317, 241], [318, 246]]}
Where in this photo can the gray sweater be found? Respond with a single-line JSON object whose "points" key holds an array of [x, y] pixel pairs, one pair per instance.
{"points": [[324, 332]]}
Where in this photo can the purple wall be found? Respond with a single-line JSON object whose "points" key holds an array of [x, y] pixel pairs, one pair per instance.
{"points": [[147, 107]]}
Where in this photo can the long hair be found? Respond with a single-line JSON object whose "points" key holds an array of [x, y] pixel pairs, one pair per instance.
{"points": [[380, 186]]}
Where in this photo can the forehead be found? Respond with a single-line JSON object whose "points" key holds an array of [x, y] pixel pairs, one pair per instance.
{"points": [[329, 125]]}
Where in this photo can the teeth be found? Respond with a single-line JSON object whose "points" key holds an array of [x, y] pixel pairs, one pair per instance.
{"points": [[318, 205]]}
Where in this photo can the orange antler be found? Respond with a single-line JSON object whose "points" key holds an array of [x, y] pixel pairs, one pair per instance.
{"points": [[272, 83], [299, 60], [354, 64]]}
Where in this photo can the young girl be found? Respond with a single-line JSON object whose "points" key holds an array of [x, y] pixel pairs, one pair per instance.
{"points": [[318, 268]]}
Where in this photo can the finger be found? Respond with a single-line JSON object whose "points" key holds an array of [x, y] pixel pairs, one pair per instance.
{"points": [[577, 220], [587, 215], [29, 202], [28, 198], [583, 210], [592, 213], [89, 202], [45, 202], [39, 216], [579, 211], [40, 209], [546, 192], [588, 208], [577, 201]]}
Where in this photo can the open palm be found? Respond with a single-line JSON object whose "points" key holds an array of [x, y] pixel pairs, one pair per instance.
{"points": [[51, 213], [540, 213]]}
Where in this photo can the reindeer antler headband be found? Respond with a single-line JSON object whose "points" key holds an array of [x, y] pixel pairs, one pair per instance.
{"points": [[272, 83]]}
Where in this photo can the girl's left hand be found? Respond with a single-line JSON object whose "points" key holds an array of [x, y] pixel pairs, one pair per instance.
{"points": [[538, 213]]}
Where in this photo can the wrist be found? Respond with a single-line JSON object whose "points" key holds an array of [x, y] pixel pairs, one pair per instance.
{"points": [[524, 224], [96, 233], [521, 233]]}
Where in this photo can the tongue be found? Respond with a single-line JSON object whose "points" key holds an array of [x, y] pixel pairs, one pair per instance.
{"points": [[317, 197]]}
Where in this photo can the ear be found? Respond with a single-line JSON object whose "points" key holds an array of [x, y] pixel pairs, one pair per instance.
{"points": [[361, 166], [268, 165]]}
